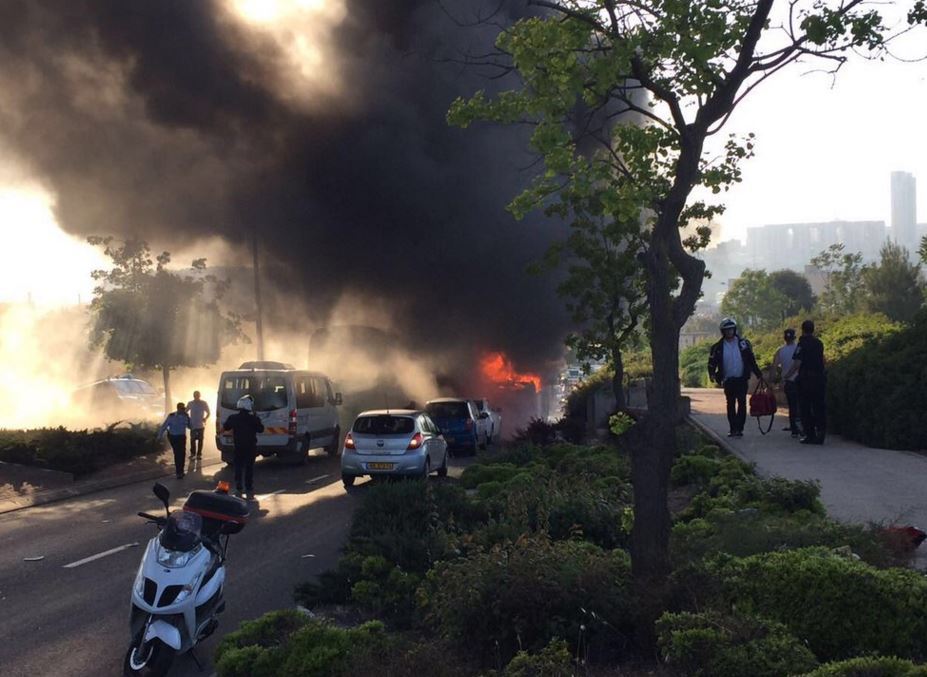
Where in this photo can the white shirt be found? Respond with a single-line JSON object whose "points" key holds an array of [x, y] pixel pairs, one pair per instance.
{"points": [[784, 359], [733, 360], [198, 411]]}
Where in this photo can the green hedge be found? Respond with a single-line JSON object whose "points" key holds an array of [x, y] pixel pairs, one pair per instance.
{"points": [[870, 666], [522, 595], [287, 644], [693, 365], [77, 451], [877, 393], [714, 645], [841, 607]]}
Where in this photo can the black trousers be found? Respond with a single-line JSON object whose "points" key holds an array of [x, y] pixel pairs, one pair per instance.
{"points": [[812, 389], [794, 399], [735, 392], [179, 445], [196, 441], [244, 465]]}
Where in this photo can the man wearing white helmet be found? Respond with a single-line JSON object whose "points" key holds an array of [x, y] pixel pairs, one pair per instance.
{"points": [[245, 427], [730, 363]]}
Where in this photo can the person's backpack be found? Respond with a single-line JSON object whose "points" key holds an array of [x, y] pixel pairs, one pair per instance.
{"points": [[763, 403]]}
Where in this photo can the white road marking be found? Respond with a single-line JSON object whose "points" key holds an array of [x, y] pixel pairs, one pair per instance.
{"points": [[305, 556], [273, 493], [100, 555], [34, 559], [316, 479]]}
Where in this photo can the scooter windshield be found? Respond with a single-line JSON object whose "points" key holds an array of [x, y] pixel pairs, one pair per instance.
{"points": [[182, 531]]}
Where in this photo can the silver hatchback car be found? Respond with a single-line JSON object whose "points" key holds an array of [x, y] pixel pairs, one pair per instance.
{"points": [[393, 442]]}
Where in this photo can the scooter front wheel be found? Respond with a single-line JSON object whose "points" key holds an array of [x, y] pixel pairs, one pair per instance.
{"points": [[151, 660]]}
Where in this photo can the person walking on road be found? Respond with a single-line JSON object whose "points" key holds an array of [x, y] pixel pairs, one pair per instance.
{"points": [[730, 363], [782, 362], [199, 413], [176, 425], [808, 363], [244, 426]]}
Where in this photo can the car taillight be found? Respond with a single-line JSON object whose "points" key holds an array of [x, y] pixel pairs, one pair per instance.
{"points": [[415, 442], [349, 442], [293, 423], [469, 423]]}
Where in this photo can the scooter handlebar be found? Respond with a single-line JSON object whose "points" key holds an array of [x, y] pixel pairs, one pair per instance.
{"points": [[152, 518]]}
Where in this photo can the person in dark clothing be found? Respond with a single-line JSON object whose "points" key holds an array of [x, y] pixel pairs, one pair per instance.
{"points": [[783, 362], [730, 363], [176, 425], [244, 426], [808, 362]]}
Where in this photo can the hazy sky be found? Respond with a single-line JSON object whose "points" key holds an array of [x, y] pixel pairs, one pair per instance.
{"points": [[826, 152]]}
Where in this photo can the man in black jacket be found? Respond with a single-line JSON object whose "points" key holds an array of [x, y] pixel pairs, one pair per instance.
{"points": [[808, 362], [730, 363], [244, 426]]}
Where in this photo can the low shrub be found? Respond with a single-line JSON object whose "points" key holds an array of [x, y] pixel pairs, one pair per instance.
{"points": [[79, 452], [287, 644], [620, 423], [693, 365], [841, 607], [520, 596], [714, 645], [870, 666], [552, 661]]}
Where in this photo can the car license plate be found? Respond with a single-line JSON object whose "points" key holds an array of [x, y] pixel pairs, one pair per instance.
{"points": [[380, 466]]}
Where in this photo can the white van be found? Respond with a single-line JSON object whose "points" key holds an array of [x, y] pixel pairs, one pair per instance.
{"points": [[298, 409]]}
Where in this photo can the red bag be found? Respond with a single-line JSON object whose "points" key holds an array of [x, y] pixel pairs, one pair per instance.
{"points": [[763, 403]]}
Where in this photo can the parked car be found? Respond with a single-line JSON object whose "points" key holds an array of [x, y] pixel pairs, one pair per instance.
{"points": [[458, 420], [298, 409], [393, 442], [491, 423], [120, 398]]}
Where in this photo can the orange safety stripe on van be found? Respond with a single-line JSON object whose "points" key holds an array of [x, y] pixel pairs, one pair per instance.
{"points": [[276, 431]]}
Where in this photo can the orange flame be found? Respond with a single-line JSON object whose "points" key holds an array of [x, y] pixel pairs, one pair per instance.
{"points": [[496, 368]]}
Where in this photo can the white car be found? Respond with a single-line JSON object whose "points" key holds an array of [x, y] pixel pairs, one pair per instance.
{"points": [[491, 423], [393, 442], [298, 409]]}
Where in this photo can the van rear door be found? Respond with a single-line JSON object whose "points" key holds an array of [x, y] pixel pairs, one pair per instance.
{"points": [[272, 394]]}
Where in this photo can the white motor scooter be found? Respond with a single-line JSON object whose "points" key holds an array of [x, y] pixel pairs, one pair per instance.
{"points": [[178, 592]]}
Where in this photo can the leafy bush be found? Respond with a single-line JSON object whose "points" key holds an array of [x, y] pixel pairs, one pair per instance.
{"points": [[620, 423], [522, 595], [285, 644], [870, 666], [693, 365], [552, 661], [840, 606], [876, 393], [77, 451], [713, 645]]}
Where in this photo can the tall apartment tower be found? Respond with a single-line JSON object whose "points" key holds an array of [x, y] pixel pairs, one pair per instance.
{"points": [[904, 210]]}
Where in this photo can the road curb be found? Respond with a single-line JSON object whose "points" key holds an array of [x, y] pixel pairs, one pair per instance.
{"points": [[89, 487]]}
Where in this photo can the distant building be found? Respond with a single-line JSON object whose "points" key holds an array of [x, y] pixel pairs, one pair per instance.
{"points": [[904, 210], [793, 245]]}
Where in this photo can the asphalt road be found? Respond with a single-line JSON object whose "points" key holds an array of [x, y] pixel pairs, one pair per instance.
{"points": [[72, 620]]}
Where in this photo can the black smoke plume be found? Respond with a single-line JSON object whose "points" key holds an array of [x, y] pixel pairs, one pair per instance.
{"points": [[161, 119]]}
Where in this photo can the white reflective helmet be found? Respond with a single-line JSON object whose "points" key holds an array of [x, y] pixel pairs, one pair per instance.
{"points": [[728, 323], [246, 403]]}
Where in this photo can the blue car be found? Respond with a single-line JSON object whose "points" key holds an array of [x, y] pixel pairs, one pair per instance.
{"points": [[457, 420]]}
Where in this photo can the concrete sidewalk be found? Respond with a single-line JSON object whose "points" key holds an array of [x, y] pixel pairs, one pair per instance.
{"points": [[858, 484]]}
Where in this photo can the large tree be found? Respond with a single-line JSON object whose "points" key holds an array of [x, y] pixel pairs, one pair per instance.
{"points": [[796, 288], [680, 67], [754, 302], [148, 317], [894, 286], [844, 285]]}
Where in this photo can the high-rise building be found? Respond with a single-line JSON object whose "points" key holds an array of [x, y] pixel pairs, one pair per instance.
{"points": [[904, 210], [793, 245]]}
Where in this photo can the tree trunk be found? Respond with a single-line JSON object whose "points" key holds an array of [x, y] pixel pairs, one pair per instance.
{"points": [[618, 381], [166, 375]]}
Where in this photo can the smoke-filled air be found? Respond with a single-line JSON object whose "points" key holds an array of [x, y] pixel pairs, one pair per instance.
{"points": [[315, 129]]}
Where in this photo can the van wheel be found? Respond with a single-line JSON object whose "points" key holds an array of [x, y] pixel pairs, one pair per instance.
{"points": [[302, 457], [332, 449]]}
